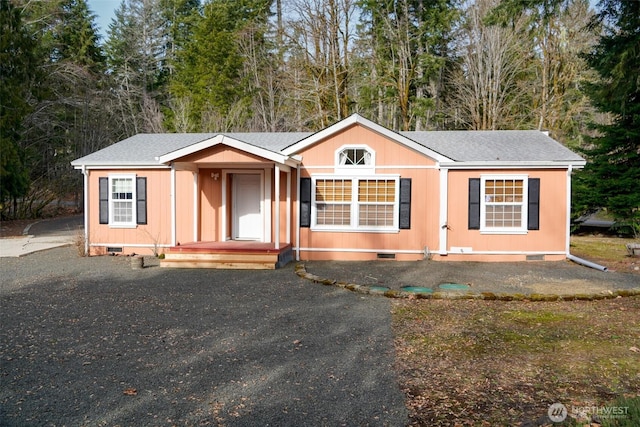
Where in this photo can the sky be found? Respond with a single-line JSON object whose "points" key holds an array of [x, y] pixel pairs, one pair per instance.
{"points": [[104, 10]]}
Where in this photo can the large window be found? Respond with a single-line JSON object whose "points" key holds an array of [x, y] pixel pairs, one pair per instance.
{"points": [[356, 203], [504, 202]]}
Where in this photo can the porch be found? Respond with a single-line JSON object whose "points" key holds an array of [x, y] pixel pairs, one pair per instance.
{"points": [[231, 254]]}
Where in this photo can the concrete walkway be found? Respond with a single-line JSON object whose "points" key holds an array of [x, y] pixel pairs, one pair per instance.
{"points": [[42, 235]]}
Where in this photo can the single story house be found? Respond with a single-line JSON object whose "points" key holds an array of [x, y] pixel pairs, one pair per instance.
{"points": [[353, 191]]}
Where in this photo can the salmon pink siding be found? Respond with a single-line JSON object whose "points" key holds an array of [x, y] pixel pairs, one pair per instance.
{"points": [[549, 241], [210, 204], [391, 159], [143, 238]]}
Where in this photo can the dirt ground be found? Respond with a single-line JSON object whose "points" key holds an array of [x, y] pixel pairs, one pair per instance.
{"points": [[14, 228], [495, 363]]}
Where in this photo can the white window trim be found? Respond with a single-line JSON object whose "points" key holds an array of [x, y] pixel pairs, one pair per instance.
{"points": [[525, 204], [354, 169], [134, 216], [354, 205]]}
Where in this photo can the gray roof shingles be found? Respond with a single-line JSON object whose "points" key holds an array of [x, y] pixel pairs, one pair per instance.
{"points": [[459, 146]]}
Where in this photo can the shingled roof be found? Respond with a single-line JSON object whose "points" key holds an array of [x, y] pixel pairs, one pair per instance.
{"points": [[512, 146]]}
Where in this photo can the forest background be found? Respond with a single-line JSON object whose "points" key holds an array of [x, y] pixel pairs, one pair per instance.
{"points": [[560, 66]]}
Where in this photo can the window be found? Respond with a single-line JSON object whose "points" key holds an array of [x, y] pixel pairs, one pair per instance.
{"points": [[333, 201], [122, 205], [504, 202], [356, 203], [355, 159], [123, 200], [376, 202]]}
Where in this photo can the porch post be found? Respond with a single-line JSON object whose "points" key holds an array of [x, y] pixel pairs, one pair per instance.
{"points": [[298, 212], [173, 204], [288, 214], [196, 194], [276, 184]]}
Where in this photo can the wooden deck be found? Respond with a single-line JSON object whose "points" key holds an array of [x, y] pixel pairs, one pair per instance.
{"points": [[234, 254]]}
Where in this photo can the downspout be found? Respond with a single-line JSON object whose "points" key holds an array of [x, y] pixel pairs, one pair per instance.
{"points": [[85, 203], [571, 257], [568, 219], [444, 211], [298, 213]]}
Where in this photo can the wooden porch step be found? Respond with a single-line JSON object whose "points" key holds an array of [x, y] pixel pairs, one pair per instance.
{"points": [[228, 255], [235, 260]]}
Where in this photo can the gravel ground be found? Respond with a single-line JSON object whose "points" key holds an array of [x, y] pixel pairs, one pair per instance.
{"points": [[541, 277], [89, 341]]}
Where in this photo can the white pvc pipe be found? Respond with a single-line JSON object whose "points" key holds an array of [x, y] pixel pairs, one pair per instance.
{"points": [[586, 263]]}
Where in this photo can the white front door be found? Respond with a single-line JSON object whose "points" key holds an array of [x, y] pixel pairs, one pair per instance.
{"points": [[247, 215]]}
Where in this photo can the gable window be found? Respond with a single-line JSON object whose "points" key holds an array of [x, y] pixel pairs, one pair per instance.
{"points": [[123, 200], [357, 204], [355, 159], [502, 204]]}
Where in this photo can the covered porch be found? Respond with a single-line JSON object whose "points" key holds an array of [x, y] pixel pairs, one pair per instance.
{"points": [[231, 206]]}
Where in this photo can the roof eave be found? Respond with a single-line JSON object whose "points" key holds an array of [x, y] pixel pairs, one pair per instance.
{"points": [[523, 164], [117, 165]]}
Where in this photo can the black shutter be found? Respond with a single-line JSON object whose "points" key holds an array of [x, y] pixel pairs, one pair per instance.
{"points": [[533, 215], [474, 203], [305, 202], [141, 200], [405, 204], [103, 189]]}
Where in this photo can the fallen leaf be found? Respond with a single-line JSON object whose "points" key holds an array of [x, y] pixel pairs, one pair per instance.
{"points": [[634, 349], [130, 392]]}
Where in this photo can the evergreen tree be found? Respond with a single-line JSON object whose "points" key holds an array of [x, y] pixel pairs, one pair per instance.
{"points": [[611, 178], [18, 63], [209, 69]]}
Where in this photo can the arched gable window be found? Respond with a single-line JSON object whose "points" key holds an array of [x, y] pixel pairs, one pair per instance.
{"points": [[355, 158]]}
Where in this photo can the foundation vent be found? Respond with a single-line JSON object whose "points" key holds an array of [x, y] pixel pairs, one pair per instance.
{"points": [[386, 256]]}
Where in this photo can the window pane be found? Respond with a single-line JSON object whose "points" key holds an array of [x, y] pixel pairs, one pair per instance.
{"points": [[503, 216], [375, 215], [330, 190], [376, 190], [333, 214], [122, 189]]}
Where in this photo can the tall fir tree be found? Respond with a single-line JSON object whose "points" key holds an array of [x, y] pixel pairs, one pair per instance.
{"points": [[611, 178], [18, 61], [209, 70]]}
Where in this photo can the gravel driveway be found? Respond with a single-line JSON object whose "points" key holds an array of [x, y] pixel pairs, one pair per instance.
{"points": [[89, 341]]}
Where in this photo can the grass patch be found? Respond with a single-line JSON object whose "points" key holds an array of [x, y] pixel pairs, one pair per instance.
{"points": [[503, 363], [601, 248]]}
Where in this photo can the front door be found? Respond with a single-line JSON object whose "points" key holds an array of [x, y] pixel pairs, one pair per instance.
{"points": [[247, 215]]}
